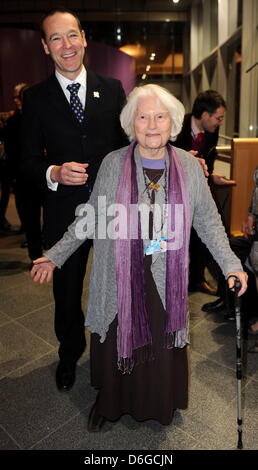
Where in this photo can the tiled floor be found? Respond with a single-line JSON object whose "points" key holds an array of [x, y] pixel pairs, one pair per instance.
{"points": [[34, 415]]}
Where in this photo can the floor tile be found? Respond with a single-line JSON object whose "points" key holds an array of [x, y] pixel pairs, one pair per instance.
{"points": [[18, 347], [4, 318], [13, 301], [35, 407], [41, 322], [126, 434], [6, 443]]}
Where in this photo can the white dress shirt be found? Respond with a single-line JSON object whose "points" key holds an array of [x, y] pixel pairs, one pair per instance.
{"points": [[194, 129], [63, 81]]}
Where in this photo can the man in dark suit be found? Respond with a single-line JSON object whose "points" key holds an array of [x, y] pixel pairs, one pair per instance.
{"points": [[70, 122], [199, 136]]}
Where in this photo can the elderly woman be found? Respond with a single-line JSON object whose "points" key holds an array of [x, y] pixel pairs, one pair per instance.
{"points": [[137, 308]]}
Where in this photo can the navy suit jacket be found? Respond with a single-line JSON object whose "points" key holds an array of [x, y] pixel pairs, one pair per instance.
{"points": [[52, 136]]}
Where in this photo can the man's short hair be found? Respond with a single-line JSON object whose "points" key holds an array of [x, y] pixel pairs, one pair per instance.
{"points": [[52, 12], [209, 101]]}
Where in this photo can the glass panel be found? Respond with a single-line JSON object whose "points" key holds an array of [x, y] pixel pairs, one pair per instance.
{"points": [[239, 12], [214, 23], [233, 59]]}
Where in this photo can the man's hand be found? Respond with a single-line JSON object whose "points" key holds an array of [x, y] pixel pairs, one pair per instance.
{"points": [[204, 166], [248, 226], [222, 180], [201, 161], [70, 173]]}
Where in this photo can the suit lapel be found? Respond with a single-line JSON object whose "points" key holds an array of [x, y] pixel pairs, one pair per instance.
{"points": [[93, 96], [59, 100], [93, 103]]}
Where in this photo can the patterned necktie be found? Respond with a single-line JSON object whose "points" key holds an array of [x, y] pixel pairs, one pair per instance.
{"points": [[75, 102]]}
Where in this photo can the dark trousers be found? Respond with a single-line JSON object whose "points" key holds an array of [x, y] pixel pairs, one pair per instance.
{"points": [[69, 316], [29, 201], [241, 246], [199, 259]]}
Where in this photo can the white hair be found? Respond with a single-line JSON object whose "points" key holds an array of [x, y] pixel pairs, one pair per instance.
{"points": [[169, 101]]}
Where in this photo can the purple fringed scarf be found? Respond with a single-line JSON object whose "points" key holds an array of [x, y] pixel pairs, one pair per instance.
{"points": [[133, 331]]}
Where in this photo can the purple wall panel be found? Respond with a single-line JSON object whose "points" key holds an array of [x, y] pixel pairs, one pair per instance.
{"points": [[111, 62], [22, 59]]}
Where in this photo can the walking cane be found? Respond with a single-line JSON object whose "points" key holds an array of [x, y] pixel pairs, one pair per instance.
{"points": [[237, 287]]}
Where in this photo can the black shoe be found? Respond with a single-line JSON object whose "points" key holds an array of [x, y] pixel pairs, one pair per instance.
{"points": [[95, 420], [214, 307], [65, 377]]}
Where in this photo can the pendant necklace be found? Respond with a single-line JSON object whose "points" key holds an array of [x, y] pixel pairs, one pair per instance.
{"points": [[154, 186]]}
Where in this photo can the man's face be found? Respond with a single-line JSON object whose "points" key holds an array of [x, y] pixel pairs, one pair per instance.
{"points": [[210, 122], [65, 43]]}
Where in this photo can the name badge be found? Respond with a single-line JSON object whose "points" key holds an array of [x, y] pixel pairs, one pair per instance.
{"points": [[156, 246]]}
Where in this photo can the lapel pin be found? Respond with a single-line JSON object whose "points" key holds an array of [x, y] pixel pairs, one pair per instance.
{"points": [[96, 94]]}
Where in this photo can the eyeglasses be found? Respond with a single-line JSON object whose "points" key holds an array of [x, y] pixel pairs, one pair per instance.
{"points": [[218, 118]]}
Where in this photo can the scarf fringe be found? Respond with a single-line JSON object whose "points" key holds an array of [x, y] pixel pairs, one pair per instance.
{"points": [[170, 340], [140, 356]]}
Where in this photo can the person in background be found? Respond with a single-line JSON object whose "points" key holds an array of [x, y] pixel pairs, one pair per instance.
{"points": [[70, 122], [5, 178], [199, 136], [245, 248], [138, 295], [28, 198], [251, 230]]}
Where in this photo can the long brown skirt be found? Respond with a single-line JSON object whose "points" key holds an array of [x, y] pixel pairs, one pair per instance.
{"points": [[154, 388]]}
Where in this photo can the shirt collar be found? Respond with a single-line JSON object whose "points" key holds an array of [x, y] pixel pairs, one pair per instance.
{"points": [[195, 129], [81, 78]]}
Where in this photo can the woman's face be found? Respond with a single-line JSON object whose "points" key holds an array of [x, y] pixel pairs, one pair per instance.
{"points": [[152, 123]]}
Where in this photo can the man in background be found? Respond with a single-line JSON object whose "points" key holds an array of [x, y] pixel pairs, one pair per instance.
{"points": [[199, 136]]}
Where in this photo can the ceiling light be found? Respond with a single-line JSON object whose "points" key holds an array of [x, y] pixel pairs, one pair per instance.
{"points": [[144, 76], [134, 50], [175, 1], [148, 68]]}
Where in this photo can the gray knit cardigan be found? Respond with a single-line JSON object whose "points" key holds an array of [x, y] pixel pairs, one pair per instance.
{"points": [[102, 302]]}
